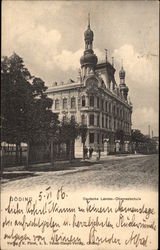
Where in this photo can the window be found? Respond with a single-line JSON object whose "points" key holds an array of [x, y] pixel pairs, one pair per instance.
{"points": [[106, 122], [109, 123], [106, 107], [102, 121], [97, 102], [56, 104], [91, 137], [91, 120], [91, 101], [65, 103], [83, 120], [109, 108], [98, 124], [73, 102], [83, 101], [114, 124], [114, 110], [102, 104]]}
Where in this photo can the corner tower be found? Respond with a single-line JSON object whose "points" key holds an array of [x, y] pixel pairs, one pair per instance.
{"points": [[89, 60], [123, 88]]}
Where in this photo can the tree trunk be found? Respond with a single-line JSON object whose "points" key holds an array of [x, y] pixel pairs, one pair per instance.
{"points": [[52, 153], [17, 153], [70, 150], [28, 149], [20, 154], [83, 151]]}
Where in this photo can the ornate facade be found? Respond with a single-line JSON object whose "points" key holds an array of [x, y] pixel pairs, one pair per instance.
{"points": [[96, 100]]}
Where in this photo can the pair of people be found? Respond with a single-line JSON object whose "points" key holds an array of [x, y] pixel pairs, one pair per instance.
{"points": [[86, 152]]}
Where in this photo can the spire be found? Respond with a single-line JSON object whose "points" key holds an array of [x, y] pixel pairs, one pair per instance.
{"points": [[88, 20]]}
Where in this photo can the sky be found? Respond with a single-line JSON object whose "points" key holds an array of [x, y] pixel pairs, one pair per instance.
{"points": [[49, 36]]}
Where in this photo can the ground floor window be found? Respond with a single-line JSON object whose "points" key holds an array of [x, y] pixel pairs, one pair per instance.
{"points": [[91, 137]]}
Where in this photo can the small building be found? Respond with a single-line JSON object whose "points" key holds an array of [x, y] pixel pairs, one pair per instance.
{"points": [[95, 99]]}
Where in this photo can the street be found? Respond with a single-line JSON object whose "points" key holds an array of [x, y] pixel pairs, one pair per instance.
{"points": [[138, 172]]}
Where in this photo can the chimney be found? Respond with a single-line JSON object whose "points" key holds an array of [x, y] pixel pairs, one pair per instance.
{"points": [[149, 131], [152, 133]]}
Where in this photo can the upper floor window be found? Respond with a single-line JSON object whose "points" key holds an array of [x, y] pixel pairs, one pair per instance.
{"points": [[83, 120], [106, 122], [91, 101], [64, 103], [114, 110], [73, 102], [98, 124], [97, 102], [83, 101], [102, 104], [56, 104], [106, 106], [109, 107], [91, 120], [102, 121]]}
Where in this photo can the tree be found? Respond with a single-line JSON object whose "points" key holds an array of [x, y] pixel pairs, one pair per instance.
{"points": [[16, 93], [83, 133], [120, 135], [137, 137], [69, 130], [26, 109]]}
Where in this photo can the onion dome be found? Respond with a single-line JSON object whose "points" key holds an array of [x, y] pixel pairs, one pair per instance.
{"points": [[88, 58], [122, 73]]}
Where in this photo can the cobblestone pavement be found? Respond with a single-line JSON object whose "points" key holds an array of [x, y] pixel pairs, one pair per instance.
{"points": [[121, 173]]}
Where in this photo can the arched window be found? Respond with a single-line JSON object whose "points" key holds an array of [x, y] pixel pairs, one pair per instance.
{"points": [[83, 101], [56, 104], [91, 101], [73, 102], [65, 103]]}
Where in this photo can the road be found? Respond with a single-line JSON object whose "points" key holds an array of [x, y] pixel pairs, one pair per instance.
{"points": [[139, 172]]}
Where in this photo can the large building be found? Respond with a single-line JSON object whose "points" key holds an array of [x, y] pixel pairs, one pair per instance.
{"points": [[96, 100]]}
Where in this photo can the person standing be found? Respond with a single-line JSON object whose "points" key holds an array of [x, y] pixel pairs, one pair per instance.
{"points": [[90, 152], [99, 153]]}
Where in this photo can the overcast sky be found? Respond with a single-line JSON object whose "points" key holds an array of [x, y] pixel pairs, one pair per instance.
{"points": [[49, 36]]}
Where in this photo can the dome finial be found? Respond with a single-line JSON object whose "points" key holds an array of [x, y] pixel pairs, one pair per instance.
{"points": [[122, 63], [88, 20]]}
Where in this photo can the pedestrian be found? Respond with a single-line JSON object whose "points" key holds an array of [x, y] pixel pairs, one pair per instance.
{"points": [[99, 153], [86, 153], [90, 152]]}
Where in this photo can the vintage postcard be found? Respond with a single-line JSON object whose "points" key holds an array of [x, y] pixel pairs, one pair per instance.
{"points": [[79, 125]]}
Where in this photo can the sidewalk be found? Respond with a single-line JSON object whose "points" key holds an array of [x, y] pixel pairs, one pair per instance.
{"points": [[66, 165]]}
